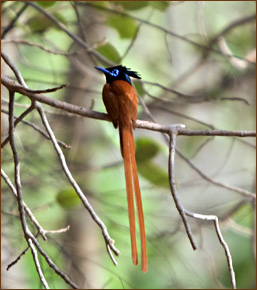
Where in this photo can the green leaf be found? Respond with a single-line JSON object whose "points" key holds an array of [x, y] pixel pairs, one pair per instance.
{"points": [[244, 216], [126, 27], [146, 149], [109, 51], [46, 3], [131, 5], [160, 5], [68, 198], [40, 23], [154, 173]]}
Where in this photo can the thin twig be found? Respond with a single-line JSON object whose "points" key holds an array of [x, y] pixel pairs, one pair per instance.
{"points": [[244, 192], [179, 206], [16, 163], [19, 119], [50, 262], [36, 128], [221, 239], [11, 24], [45, 91], [25, 251], [26, 42], [13, 68], [38, 267], [27, 209]]}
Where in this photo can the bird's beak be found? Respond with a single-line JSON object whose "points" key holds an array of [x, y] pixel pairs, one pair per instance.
{"points": [[105, 71]]}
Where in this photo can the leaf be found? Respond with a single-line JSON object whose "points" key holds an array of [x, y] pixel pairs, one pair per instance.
{"points": [[40, 23], [131, 5], [160, 5], [46, 3], [153, 173], [109, 51], [126, 27], [68, 198], [146, 149]]}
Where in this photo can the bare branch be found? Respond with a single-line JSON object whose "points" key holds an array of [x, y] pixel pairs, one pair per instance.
{"points": [[180, 208], [221, 239], [36, 128], [244, 192], [38, 268], [26, 42], [22, 116], [11, 85], [27, 209], [11, 24], [50, 262], [13, 68]]}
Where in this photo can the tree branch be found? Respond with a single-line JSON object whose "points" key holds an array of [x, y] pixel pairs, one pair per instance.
{"points": [[180, 208], [11, 85], [221, 239]]}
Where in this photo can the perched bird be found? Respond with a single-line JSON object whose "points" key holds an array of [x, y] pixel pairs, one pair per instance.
{"points": [[120, 100]]}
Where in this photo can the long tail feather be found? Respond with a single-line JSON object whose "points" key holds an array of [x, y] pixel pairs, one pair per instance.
{"points": [[128, 176], [128, 153], [140, 216]]}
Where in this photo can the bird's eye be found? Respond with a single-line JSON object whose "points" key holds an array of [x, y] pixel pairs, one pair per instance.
{"points": [[115, 72]]}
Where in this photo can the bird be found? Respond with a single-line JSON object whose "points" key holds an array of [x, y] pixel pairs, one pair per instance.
{"points": [[120, 100]]}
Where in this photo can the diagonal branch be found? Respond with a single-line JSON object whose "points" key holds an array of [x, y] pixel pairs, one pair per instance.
{"points": [[179, 206], [35, 127], [20, 118], [26, 208], [109, 242]]}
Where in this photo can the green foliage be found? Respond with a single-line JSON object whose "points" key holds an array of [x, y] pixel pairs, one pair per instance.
{"points": [[39, 23], [160, 5], [146, 150], [154, 174], [132, 5], [109, 51], [126, 27], [68, 198], [46, 4], [244, 216]]}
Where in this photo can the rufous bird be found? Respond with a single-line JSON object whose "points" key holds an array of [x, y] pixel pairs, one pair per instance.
{"points": [[120, 100]]}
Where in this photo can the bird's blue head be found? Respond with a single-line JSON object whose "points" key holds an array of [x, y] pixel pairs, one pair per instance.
{"points": [[118, 73]]}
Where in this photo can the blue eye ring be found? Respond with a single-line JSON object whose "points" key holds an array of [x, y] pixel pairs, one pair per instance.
{"points": [[115, 72]]}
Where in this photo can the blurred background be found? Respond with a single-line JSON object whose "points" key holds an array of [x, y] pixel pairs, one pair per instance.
{"points": [[180, 50]]}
